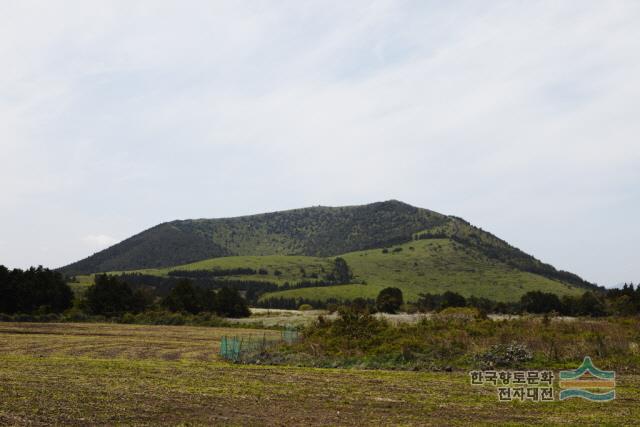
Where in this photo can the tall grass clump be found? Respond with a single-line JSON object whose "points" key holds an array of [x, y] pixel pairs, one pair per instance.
{"points": [[462, 338]]}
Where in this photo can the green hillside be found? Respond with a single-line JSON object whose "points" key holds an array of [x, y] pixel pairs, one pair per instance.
{"points": [[433, 266], [420, 266], [385, 244]]}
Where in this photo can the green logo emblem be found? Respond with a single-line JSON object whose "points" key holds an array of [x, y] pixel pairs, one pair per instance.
{"points": [[588, 382]]}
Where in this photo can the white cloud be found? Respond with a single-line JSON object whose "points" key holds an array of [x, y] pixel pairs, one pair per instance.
{"points": [[521, 117]]}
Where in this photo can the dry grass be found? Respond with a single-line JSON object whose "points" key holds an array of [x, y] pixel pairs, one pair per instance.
{"points": [[117, 340]]}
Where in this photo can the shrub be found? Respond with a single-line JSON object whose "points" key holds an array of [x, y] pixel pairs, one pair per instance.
{"points": [[505, 355], [305, 307], [389, 300]]}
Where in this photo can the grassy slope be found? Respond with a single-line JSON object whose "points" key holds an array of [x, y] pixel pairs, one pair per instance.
{"points": [[434, 266], [160, 387]]}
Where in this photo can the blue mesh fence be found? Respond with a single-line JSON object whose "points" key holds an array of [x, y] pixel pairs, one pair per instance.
{"points": [[240, 348]]}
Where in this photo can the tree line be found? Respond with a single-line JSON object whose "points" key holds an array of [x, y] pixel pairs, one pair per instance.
{"points": [[253, 289], [161, 286], [620, 302], [34, 290], [109, 296], [217, 272], [44, 291]]}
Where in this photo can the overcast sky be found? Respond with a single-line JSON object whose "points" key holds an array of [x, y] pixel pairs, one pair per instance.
{"points": [[522, 117]]}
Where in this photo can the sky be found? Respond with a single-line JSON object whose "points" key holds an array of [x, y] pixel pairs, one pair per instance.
{"points": [[522, 117]]}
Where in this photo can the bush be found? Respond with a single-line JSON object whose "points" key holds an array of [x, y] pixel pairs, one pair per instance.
{"points": [[505, 355], [305, 307], [389, 300], [353, 328]]}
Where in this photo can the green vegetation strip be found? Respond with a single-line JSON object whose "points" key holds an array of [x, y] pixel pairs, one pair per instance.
{"points": [[435, 266]]}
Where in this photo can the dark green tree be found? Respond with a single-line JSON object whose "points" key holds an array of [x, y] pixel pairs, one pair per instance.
{"points": [[36, 289], [109, 296], [341, 273], [229, 303], [428, 302], [184, 297], [452, 299], [540, 302], [389, 300], [590, 305]]}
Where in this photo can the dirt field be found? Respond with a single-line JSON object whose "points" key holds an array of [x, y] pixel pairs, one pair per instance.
{"points": [[97, 374], [108, 341]]}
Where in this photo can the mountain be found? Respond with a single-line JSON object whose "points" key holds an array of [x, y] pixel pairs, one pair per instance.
{"points": [[314, 232]]}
